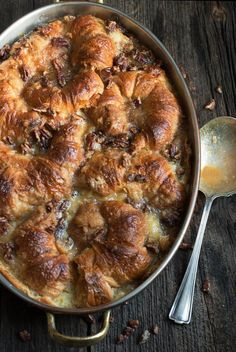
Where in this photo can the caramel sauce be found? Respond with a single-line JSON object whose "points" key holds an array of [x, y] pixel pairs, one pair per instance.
{"points": [[211, 175]]}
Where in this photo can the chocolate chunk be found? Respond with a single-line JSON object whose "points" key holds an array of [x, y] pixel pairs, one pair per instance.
{"points": [[5, 52], [25, 335], [133, 323], [144, 337], [210, 105], [106, 75], [206, 286], [60, 42]]}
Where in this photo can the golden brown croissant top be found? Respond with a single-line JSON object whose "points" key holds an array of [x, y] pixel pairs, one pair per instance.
{"points": [[117, 254], [94, 161]]}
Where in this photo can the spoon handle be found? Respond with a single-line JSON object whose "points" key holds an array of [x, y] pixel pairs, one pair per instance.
{"points": [[181, 310]]}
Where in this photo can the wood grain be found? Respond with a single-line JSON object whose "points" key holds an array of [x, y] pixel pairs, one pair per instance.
{"points": [[201, 36]]}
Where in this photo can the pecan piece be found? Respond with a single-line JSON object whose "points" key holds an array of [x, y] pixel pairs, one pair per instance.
{"points": [[25, 73], [5, 52], [57, 64], [60, 42]]}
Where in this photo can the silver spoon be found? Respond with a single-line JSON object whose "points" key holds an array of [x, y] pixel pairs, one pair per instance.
{"points": [[218, 179]]}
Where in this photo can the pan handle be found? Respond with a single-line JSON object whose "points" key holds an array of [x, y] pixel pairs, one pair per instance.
{"points": [[99, 1], [72, 341]]}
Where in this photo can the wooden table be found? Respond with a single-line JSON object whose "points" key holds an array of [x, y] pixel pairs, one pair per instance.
{"points": [[201, 36]]}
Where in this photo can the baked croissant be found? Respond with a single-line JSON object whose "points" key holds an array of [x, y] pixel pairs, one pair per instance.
{"points": [[43, 267], [157, 113], [116, 255]]}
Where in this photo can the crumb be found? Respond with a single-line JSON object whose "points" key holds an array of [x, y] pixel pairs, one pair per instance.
{"points": [[155, 329], [219, 89], [134, 323], [144, 337], [206, 286], [210, 105], [185, 246], [25, 335]]}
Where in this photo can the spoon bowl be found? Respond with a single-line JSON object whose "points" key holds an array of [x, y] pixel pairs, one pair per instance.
{"points": [[218, 153]]}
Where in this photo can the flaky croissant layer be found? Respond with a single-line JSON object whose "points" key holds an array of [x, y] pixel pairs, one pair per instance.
{"points": [[93, 158]]}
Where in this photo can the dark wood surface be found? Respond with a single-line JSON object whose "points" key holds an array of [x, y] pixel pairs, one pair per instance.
{"points": [[201, 36]]}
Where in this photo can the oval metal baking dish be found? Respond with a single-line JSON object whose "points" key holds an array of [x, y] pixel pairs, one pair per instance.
{"points": [[59, 9]]}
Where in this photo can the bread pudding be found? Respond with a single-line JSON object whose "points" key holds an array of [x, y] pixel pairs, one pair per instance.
{"points": [[94, 162]]}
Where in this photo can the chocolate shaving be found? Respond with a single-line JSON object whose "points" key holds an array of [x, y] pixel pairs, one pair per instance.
{"points": [[210, 105], [144, 337], [25, 335], [57, 64], [206, 286], [4, 52], [60, 42]]}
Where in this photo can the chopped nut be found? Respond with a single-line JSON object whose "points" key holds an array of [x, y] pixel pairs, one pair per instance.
{"points": [[5, 52], [8, 250], [4, 225], [58, 67], [210, 105], [121, 338], [219, 89], [25, 73], [111, 319], [154, 329], [25, 335], [122, 62], [185, 246], [127, 331], [111, 26], [206, 286], [153, 246], [134, 323], [136, 178], [119, 141], [60, 42], [144, 337]]}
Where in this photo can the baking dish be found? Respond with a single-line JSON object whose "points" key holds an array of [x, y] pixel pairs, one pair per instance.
{"points": [[59, 9]]}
